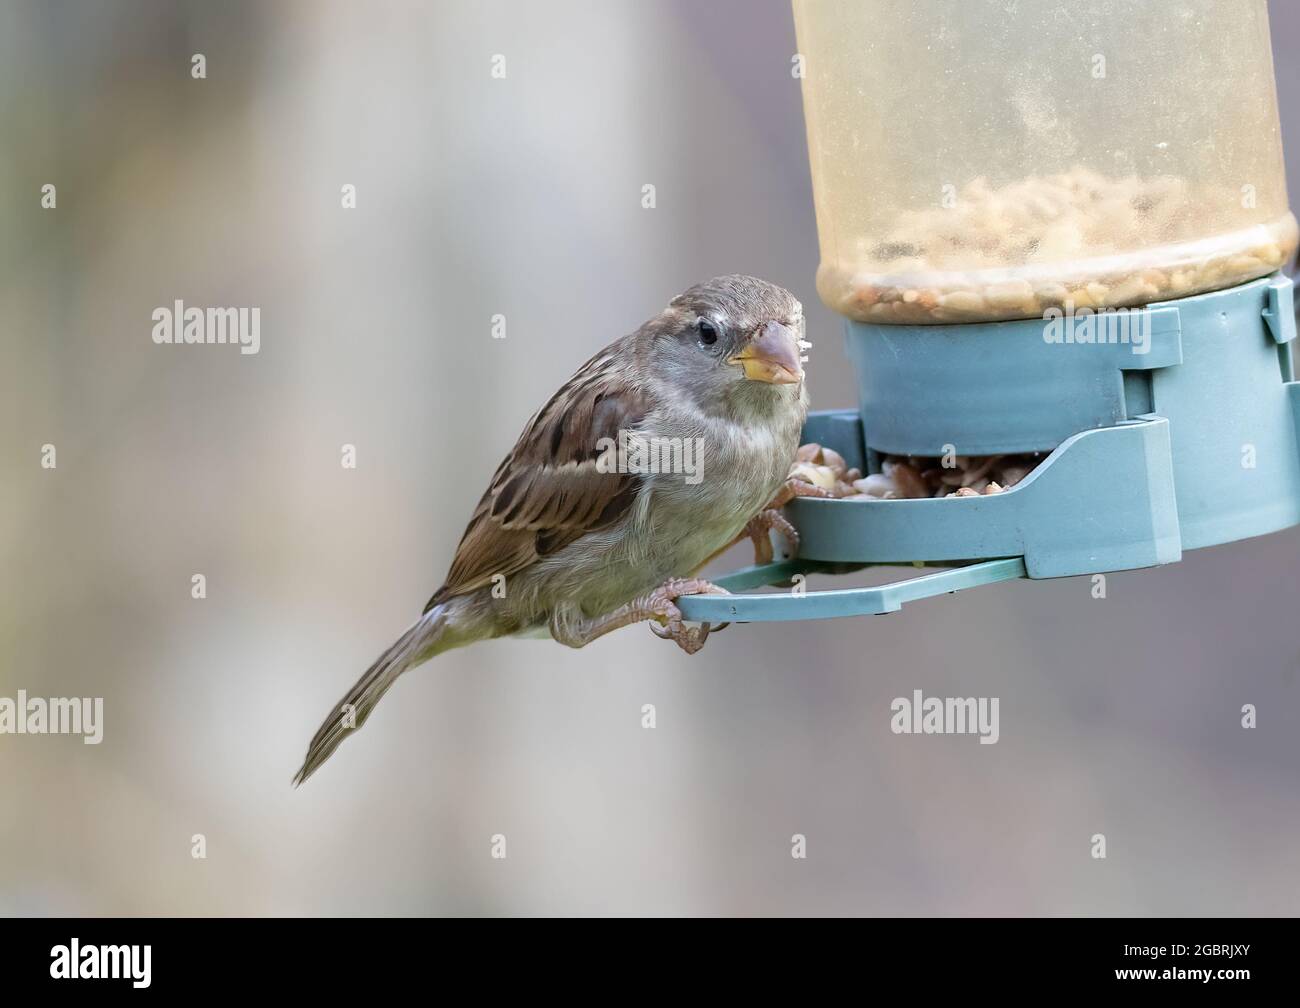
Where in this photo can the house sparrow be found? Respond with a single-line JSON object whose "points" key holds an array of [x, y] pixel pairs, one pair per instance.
{"points": [[572, 541]]}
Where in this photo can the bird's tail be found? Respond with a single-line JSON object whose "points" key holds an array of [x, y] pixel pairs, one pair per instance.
{"points": [[425, 638]]}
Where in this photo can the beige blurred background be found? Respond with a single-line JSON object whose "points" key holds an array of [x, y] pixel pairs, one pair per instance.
{"points": [[522, 197]]}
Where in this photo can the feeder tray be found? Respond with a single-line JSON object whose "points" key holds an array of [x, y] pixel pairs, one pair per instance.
{"points": [[1188, 436]]}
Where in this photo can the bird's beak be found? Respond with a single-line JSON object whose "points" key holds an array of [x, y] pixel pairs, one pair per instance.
{"points": [[771, 356]]}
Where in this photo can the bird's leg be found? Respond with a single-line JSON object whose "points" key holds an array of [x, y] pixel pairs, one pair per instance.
{"points": [[771, 518], [657, 607]]}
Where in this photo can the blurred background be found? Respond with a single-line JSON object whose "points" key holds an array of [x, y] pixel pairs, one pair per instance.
{"points": [[519, 196]]}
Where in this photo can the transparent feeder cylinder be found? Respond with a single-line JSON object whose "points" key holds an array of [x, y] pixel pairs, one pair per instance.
{"points": [[976, 160]]}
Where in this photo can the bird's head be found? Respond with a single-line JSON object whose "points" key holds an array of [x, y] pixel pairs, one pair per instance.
{"points": [[733, 335]]}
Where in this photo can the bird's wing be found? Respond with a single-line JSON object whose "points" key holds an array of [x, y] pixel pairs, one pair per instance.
{"points": [[548, 491]]}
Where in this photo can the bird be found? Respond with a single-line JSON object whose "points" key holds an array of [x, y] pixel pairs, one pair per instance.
{"points": [[580, 532]]}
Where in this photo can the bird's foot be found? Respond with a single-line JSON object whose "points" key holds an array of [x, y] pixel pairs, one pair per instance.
{"points": [[793, 488], [666, 618], [658, 607], [758, 531]]}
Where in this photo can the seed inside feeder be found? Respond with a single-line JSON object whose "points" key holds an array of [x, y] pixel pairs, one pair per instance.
{"points": [[913, 477], [1072, 240]]}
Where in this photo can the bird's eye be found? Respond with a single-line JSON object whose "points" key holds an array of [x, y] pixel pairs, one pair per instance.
{"points": [[708, 332]]}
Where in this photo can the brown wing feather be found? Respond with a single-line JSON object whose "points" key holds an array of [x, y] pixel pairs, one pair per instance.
{"points": [[548, 492]]}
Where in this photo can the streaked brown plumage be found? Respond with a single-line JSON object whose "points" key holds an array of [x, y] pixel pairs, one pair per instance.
{"points": [[583, 549]]}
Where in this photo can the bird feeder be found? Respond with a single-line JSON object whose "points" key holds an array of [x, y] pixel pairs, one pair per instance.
{"points": [[1057, 229]]}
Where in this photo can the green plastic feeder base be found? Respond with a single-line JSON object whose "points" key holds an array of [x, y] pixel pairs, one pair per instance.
{"points": [[1184, 434]]}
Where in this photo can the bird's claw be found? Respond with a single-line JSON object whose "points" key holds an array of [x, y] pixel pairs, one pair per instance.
{"points": [[667, 622], [759, 528]]}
